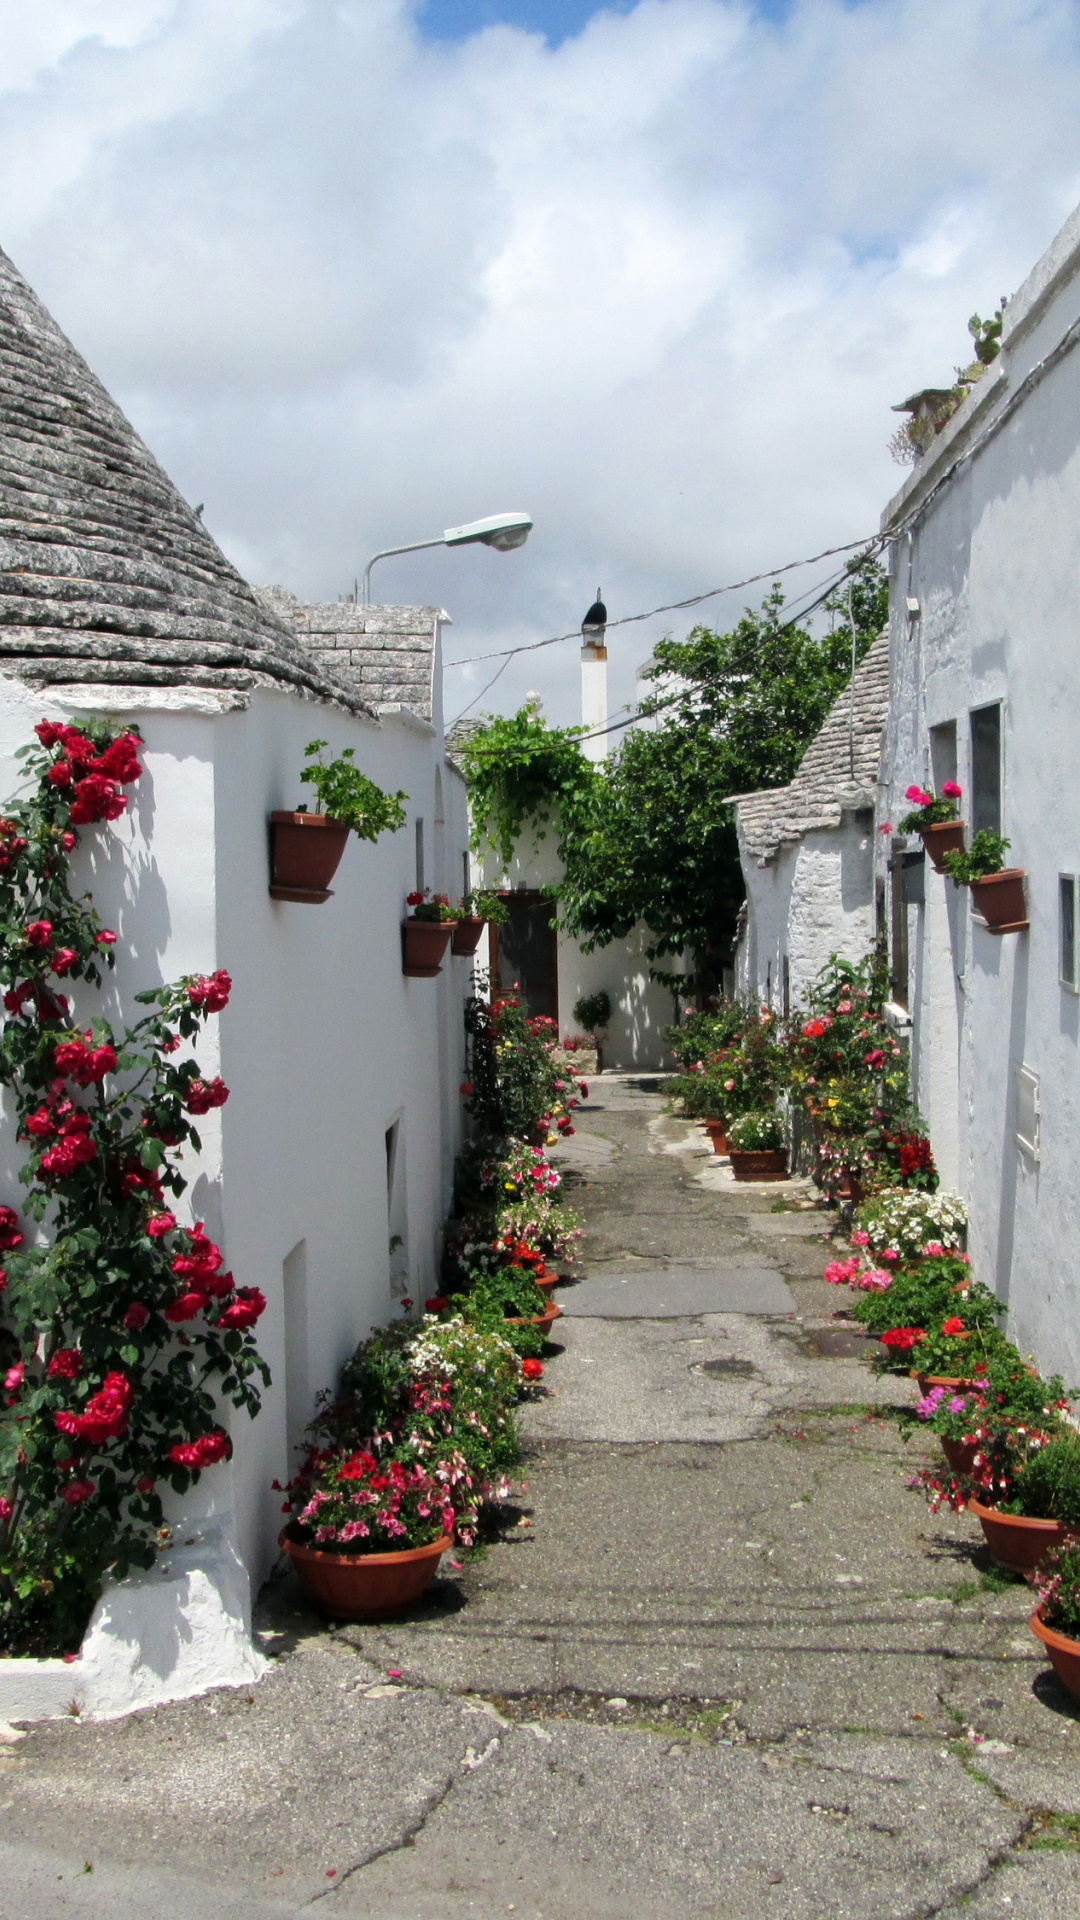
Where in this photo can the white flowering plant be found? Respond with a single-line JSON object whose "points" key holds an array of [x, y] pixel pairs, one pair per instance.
{"points": [[907, 1224]]}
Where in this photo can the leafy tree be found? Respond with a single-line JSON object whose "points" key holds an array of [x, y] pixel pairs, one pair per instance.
{"points": [[736, 712], [522, 772]]}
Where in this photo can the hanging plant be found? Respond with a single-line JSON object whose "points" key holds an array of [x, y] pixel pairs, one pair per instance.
{"points": [[120, 1330]]}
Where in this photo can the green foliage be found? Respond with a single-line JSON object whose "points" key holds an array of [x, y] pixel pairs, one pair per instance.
{"points": [[935, 809], [347, 795], [1048, 1484], [593, 1011], [486, 904], [521, 771], [986, 854]]}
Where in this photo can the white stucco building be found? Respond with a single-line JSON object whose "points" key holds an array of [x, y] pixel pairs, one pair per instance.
{"points": [[327, 1175], [985, 663], [807, 850]]}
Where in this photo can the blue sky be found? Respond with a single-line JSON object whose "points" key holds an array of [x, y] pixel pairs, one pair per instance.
{"points": [[557, 20]]}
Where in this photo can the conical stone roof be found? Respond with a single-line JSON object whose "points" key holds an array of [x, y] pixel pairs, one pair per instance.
{"points": [[106, 574]]}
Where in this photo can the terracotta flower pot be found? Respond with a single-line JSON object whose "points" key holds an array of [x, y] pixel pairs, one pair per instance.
{"points": [[952, 1382], [765, 1164], [423, 947], [945, 836], [545, 1321], [960, 1454], [717, 1132], [466, 935], [999, 899], [1064, 1652], [363, 1586], [305, 851], [1016, 1541]]}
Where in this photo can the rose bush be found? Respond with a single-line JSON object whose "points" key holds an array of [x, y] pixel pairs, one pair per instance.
{"points": [[121, 1331]]}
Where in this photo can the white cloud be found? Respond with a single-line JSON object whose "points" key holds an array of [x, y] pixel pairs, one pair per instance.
{"points": [[659, 284]]}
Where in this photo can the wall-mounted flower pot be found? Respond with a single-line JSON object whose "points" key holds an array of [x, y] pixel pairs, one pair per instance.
{"points": [[363, 1586], [423, 947], [999, 899], [305, 850], [466, 937], [767, 1163], [945, 836]]}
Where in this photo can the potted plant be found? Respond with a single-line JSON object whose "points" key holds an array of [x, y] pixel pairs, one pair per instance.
{"points": [[936, 818], [1034, 1502], [997, 891], [756, 1147], [478, 910], [1056, 1619], [369, 1533], [593, 1013], [425, 933], [305, 848]]}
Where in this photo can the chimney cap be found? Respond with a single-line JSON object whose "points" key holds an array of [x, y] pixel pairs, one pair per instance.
{"points": [[595, 620]]}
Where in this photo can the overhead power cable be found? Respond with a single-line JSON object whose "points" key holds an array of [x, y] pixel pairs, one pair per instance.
{"points": [[672, 606]]}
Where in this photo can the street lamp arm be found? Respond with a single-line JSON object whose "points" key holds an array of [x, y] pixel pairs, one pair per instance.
{"points": [[413, 546]]}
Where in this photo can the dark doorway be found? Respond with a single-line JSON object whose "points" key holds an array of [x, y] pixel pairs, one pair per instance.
{"points": [[524, 954]]}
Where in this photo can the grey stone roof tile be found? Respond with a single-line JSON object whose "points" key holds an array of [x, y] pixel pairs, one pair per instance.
{"points": [[838, 770], [386, 653], [101, 561]]}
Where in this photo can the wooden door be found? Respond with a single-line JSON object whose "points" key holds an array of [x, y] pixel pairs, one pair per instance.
{"points": [[524, 954]]}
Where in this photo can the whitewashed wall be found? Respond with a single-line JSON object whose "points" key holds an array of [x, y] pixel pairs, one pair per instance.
{"points": [[641, 1007], [815, 898], [992, 559], [325, 1044]]}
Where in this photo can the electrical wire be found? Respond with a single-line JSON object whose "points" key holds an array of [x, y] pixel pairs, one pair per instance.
{"points": [[672, 606], [821, 595]]}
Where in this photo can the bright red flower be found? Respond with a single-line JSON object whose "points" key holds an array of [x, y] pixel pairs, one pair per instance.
{"points": [[185, 1307], [203, 1094], [210, 990], [66, 1363], [105, 1415], [136, 1316], [202, 1452], [14, 1376], [97, 798], [105, 937], [532, 1369], [244, 1310], [903, 1336], [39, 933], [160, 1223], [63, 960], [438, 1303], [85, 1064], [77, 1490], [9, 1231], [953, 1325]]}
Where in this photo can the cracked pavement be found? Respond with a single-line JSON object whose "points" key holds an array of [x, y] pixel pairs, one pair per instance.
{"points": [[718, 1662]]}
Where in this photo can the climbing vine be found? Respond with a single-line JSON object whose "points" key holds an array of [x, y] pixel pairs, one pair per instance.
{"points": [[120, 1331], [521, 771]]}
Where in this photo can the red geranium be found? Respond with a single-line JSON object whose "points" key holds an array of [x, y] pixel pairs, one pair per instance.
{"points": [[903, 1336]]}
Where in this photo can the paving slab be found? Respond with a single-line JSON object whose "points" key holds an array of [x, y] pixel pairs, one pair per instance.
{"points": [[663, 1293]]}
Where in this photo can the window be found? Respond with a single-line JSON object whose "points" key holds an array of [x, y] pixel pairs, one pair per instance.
{"points": [[943, 754], [899, 967], [986, 769], [1027, 1110], [1067, 968], [419, 856]]}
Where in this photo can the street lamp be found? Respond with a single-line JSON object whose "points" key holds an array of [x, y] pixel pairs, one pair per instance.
{"points": [[503, 531]]}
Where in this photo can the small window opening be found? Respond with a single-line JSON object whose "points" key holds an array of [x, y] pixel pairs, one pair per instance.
{"points": [[1067, 889], [986, 769], [419, 856]]}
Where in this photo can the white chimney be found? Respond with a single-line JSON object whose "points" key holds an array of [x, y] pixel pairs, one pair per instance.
{"points": [[594, 707]]}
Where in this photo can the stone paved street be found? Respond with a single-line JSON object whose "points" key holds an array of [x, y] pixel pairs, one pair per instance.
{"points": [[720, 1663]]}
